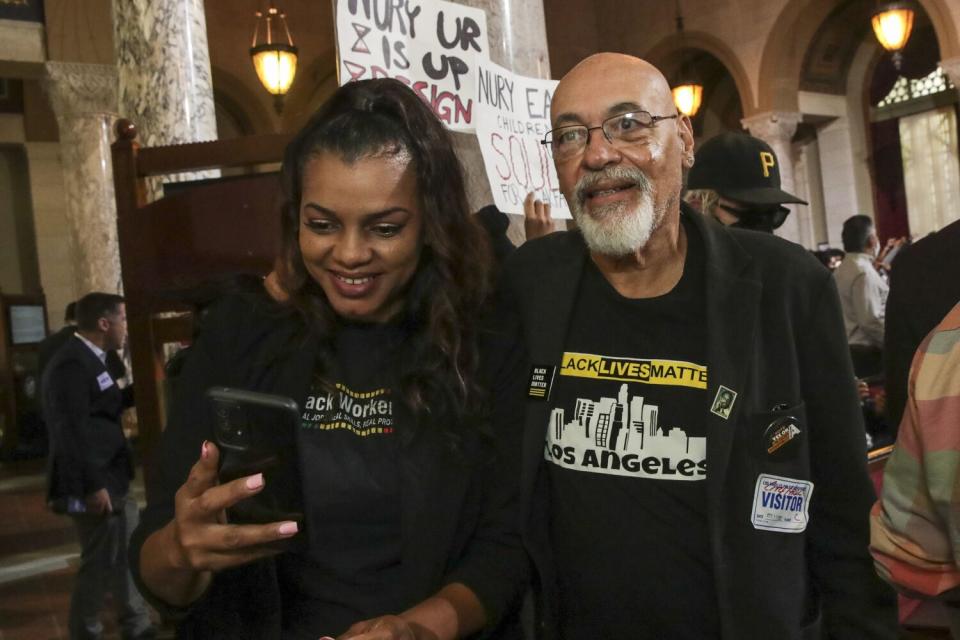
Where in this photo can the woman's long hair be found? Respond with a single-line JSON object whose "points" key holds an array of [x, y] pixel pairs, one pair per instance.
{"points": [[438, 363]]}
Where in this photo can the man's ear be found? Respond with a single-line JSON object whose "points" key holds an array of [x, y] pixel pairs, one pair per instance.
{"points": [[685, 131], [103, 324]]}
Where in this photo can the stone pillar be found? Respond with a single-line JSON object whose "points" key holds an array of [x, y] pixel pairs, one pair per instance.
{"points": [[518, 41], [776, 128], [951, 67], [84, 100], [164, 69]]}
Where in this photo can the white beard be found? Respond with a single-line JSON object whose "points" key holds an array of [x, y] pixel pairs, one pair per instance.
{"points": [[615, 230]]}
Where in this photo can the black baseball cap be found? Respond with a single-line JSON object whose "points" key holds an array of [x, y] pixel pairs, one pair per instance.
{"points": [[739, 167]]}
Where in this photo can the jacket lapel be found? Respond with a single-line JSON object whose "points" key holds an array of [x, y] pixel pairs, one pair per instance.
{"points": [[552, 298], [732, 304]]}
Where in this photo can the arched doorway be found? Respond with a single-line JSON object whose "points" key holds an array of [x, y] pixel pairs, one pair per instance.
{"points": [[721, 109], [726, 94], [913, 137], [819, 63]]}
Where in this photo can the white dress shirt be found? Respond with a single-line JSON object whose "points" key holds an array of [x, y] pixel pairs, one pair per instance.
{"points": [[863, 295]]}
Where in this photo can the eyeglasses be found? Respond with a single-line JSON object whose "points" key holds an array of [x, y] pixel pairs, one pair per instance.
{"points": [[571, 140]]}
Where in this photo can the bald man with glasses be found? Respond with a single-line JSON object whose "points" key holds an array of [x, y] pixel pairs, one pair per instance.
{"points": [[693, 462]]}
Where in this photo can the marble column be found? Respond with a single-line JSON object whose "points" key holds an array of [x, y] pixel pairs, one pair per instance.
{"points": [[517, 34], [776, 128], [84, 100], [164, 69]]}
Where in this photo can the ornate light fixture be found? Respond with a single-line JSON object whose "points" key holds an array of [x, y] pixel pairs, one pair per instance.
{"points": [[687, 89], [892, 25], [275, 62], [687, 97]]}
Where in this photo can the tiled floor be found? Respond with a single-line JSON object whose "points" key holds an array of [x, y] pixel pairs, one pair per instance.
{"points": [[38, 559]]}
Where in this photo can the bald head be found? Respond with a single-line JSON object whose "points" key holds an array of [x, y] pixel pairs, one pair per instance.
{"points": [[610, 74], [622, 184]]}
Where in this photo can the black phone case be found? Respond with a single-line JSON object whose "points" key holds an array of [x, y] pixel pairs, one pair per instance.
{"points": [[257, 433]]}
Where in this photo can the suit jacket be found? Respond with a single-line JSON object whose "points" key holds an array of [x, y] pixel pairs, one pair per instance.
{"points": [[776, 337], [921, 294], [458, 514], [82, 406]]}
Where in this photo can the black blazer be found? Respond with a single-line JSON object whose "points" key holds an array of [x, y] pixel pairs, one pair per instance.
{"points": [[775, 336], [458, 520], [922, 292], [82, 406]]}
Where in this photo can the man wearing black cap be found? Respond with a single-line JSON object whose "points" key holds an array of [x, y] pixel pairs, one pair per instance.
{"points": [[736, 179]]}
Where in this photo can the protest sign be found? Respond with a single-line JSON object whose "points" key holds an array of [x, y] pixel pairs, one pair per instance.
{"points": [[430, 45], [512, 114]]}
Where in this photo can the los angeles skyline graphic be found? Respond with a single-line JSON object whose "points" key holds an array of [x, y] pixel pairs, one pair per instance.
{"points": [[623, 436]]}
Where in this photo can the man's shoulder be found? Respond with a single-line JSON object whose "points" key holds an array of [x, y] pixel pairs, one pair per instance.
{"points": [[550, 245], [933, 249], [237, 324], [72, 360], [533, 256], [779, 259]]}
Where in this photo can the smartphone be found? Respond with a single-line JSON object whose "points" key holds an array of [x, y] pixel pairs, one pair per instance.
{"points": [[888, 259], [257, 433]]}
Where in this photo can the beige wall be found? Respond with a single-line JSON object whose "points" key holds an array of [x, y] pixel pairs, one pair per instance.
{"points": [[54, 246], [79, 31], [18, 251]]}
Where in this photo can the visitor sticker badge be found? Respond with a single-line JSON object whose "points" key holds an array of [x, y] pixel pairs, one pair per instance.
{"points": [[541, 380], [781, 504], [723, 402], [105, 381]]}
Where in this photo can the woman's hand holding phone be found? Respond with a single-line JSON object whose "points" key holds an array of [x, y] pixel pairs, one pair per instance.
{"points": [[204, 541], [178, 561]]}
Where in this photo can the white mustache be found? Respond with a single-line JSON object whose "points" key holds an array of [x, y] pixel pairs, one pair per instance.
{"points": [[591, 180]]}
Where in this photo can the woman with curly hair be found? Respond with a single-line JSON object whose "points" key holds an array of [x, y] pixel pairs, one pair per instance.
{"points": [[385, 339]]}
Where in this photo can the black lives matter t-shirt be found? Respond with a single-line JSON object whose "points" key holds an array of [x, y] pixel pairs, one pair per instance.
{"points": [[349, 462], [626, 452]]}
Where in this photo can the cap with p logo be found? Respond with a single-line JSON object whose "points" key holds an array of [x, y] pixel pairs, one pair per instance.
{"points": [[739, 167]]}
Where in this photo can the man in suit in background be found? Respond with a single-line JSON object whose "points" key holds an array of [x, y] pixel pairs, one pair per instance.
{"points": [[52, 343], [90, 465]]}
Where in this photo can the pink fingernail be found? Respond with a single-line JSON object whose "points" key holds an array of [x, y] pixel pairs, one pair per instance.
{"points": [[287, 528], [204, 450], [255, 482]]}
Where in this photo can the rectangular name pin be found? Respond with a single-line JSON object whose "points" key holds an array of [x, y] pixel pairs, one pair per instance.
{"points": [[105, 381], [541, 380]]}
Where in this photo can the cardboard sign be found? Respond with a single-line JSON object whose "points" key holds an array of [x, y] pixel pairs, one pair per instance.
{"points": [[512, 114], [430, 45]]}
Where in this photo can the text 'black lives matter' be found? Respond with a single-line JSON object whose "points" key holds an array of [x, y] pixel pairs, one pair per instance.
{"points": [[541, 380]]}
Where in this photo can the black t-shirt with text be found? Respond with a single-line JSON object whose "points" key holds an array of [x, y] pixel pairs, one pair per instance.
{"points": [[626, 449], [349, 462]]}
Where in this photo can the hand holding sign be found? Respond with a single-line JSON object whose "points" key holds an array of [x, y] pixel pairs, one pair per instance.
{"points": [[512, 115]]}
